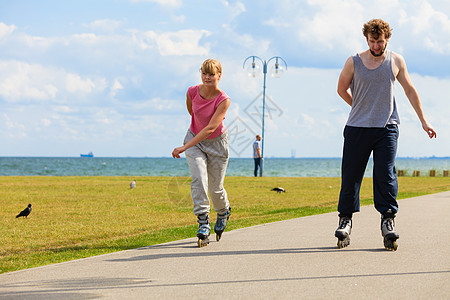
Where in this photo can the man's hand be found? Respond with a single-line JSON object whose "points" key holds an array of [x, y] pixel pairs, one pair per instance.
{"points": [[429, 130]]}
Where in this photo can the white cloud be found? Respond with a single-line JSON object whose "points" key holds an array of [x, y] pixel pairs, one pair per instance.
{"points": [[163, 105], [22, 81], [183, 42], [14, 129], [246, 42], [6, 30], [46, 122], [178, 19], [328, 29], [74, 83], [329, 26], [153, 106], [85, 37], [104, 117], [235, 9], [115, 87], [177, 43], [104, 25], [307, 121], [432, 27], [166, 3], [64, 109]]}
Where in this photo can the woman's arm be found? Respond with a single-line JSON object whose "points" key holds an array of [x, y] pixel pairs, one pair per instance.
{"points": [[189, 104], [215, 121]]}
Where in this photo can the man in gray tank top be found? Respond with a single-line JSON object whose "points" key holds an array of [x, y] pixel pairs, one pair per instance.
{"points": [[366, 83]]}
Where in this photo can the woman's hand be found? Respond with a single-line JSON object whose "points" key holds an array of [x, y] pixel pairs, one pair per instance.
{"points": [[177, 151]]}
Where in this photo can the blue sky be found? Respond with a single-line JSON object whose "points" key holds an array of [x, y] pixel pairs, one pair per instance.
{"points": [[111, 76]]}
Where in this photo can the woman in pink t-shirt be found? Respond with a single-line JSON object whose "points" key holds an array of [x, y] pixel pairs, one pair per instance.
{"points": [[206, 149]]}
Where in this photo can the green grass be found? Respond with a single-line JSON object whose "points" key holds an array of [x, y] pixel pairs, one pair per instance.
{"points": [[76, 217]]}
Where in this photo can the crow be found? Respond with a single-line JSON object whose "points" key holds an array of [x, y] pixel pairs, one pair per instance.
{"points": [[25, 212], [278, 190], [133, 184]]}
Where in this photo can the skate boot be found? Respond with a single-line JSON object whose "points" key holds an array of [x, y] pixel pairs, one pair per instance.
{"points": [[388, 232], [343, 232], [221, 223], [204, 230]]}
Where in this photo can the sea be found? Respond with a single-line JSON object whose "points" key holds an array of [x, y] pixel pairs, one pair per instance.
{"points": [[273, 167]]}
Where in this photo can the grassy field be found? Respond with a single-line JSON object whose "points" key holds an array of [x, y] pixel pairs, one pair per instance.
{"points": [[75, 217]]}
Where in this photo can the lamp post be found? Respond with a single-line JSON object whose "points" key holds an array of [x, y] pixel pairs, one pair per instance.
{"points": [[276, 71]]}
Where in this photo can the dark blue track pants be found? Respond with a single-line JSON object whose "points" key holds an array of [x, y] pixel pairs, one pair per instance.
{"points": [[359, 143], [257, 165]]}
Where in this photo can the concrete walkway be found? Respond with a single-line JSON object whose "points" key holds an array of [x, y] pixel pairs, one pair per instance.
{"points": [[294, 259]]}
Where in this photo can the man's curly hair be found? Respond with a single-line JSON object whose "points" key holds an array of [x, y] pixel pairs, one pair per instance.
{"points": [[377, 27]]}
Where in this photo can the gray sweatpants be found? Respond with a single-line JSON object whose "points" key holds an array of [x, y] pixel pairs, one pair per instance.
{"points": [[208, 162]]}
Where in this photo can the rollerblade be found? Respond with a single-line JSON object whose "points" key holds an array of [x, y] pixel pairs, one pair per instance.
{"points": [[221, 224], [343, 232], [388, 232], [204, 230]]}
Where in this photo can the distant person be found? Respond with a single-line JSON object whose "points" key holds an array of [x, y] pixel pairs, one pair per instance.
{"points": [[206, 146], [257, 155], [366, 83]]}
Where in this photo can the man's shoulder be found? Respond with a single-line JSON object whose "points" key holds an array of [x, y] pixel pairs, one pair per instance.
{"points": [[362, 54], [398, 59], [396, 56]]}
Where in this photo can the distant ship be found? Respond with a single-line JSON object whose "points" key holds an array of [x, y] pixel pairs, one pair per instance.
{"points": [[90, 154]]}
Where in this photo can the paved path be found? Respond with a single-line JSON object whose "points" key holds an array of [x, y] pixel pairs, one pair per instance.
{"points": [[295, 259]]}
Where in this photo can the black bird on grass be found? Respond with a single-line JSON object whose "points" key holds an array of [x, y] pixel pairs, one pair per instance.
{"points": [[25, 212], [278, 190]]}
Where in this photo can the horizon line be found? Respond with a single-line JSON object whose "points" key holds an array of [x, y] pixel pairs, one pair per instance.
{"points": [[271, 157]]}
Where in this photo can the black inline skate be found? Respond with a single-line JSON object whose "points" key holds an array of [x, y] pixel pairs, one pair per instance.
{"points": [[388, 232], [343, 231]]}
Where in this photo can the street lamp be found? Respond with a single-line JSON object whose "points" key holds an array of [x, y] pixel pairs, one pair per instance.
{"points": [[276, 71]]}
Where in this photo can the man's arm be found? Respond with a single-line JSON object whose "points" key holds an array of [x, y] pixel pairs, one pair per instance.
{"points": [[258, 152], [411, 93], [345, 79]]}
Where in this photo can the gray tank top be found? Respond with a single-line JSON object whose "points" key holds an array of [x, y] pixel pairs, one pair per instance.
{"points": [[373, 95]]}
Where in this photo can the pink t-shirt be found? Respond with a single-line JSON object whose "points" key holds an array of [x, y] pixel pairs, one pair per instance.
{"points": [[203, 110]]}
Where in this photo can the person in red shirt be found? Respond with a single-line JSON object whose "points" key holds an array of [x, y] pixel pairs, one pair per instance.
{"points": [[206, 149]]}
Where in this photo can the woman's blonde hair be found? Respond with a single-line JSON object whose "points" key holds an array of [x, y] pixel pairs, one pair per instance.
{"points": [[211, 66]]}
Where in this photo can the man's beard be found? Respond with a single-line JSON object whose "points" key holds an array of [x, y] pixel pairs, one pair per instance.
{"points": [[379, 54]]}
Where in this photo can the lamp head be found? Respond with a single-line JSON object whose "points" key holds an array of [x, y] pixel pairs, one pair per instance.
{"points": [[253, 70], [277, 70]]}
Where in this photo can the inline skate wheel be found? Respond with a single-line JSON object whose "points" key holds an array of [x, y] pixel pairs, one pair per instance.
{"points": [[202, 243], [343, 243], [390, 245]]}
